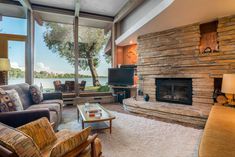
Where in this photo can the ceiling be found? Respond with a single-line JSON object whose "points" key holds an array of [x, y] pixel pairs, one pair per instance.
{"points": [[184, 12], [101, 7], [105, 8]]}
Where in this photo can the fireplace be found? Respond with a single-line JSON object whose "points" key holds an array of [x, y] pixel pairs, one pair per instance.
{"points": [[175, 90]]}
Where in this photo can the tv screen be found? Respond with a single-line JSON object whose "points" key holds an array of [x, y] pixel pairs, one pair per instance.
{"points": [[121, 76]]}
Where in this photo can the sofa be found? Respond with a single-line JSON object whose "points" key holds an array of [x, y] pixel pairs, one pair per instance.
{"points": [[37, 139], [218, 138], [51, 107]]}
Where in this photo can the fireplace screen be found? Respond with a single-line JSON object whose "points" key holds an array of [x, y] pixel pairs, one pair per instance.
{"points": [[175, 90]]}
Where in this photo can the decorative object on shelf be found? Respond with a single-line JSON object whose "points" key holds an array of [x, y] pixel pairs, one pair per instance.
{"points": [[146, 97], [209, 38], [228, 87], [4, 68], [208, 50]]}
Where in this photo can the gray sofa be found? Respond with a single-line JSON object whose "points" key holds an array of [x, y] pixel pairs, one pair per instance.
{"points": [[51, 107]]}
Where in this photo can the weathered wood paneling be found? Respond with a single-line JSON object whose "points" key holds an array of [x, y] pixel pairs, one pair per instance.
{"points": [[175, 53]]}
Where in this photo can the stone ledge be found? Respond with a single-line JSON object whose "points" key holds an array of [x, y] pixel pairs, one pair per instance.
{"points": [[176, 112]]}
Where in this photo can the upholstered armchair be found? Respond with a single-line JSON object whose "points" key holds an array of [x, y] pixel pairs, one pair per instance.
{"points": [[37, 139]]}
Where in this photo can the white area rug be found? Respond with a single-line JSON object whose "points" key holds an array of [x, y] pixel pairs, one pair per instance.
{"points": [[140, 137]]}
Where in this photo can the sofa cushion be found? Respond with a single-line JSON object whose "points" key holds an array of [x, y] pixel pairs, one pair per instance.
{"points": [[14, 96], [18, 142], [6, 104], [52, 107], [218, 138], [36, 94], [40, 131], [23, 91], [55, 101], [68, 141]]}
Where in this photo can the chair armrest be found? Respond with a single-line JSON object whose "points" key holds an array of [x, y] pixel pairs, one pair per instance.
{"points": [[4, 152], [51, 96], [83, 146], [19, 118]]}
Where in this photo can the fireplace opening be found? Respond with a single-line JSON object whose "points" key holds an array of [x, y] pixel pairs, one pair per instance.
{"points": [[175, 90]]}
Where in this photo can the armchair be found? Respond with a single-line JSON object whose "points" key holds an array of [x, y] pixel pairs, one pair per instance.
{"points": [[38, 139]]}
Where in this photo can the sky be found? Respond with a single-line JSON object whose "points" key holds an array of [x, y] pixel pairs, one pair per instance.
{"points": [[45, 60]]}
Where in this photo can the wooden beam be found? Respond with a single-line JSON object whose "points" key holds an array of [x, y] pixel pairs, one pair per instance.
{"points": [[13, 37], [126, 9], [77, 8]]}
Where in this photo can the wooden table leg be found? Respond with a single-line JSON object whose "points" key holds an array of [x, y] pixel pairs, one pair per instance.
{"points": [[82, 124], [110, 125]]}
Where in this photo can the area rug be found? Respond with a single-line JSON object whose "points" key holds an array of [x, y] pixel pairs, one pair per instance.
{"points": [[134, 136]]}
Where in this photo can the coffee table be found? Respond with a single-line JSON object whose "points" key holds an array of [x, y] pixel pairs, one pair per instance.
{"points": [[97, 123]]}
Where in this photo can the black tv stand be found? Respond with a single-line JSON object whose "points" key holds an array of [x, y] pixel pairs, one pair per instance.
{"points": [[124, 92]]}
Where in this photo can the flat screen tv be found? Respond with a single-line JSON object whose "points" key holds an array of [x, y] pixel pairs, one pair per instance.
{"points": [[121, 76]]}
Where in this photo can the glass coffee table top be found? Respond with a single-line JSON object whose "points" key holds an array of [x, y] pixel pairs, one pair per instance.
{"points": [[99, 121]]}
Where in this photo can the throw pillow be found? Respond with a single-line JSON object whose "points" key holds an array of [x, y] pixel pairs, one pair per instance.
{"points": [[40, 131], [15, 98], [6, 104], [36, 94], [68, 143], [18, 142]]}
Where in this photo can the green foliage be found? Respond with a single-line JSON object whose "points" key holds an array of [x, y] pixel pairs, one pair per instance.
{"points": [[59, 39], [18, 73], [105, 88]]}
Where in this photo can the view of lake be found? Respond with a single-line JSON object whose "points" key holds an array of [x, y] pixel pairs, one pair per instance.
{"points": [[47, 83]]}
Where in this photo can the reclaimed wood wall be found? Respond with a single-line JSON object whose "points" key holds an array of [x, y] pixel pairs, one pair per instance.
{"points": [[175, 54]]}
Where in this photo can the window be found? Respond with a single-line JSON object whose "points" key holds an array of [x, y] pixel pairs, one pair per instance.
{"points": [[52, 45], [12, 46], [16, 54], [8, 26], [54, 57]]}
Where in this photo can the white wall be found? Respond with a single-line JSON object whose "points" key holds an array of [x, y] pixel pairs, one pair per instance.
{"points": [[137, 14]]}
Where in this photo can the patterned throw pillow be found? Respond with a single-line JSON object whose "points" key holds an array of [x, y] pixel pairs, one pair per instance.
{"points": [[15, 98], [36, 94], [40, 131], [18, 142], [6, 105]]}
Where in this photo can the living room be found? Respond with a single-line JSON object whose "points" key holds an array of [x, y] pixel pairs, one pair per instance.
{"points": [[117, 78]]}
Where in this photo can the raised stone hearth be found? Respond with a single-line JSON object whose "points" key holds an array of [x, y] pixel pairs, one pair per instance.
{"points": [[174, 112], [176, 53]]}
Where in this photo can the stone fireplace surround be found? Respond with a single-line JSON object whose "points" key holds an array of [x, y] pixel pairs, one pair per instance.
{"points": [[175, 54]]}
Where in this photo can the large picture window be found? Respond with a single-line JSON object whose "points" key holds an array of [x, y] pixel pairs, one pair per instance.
{"points": [[54, 57], [12, 46]]}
